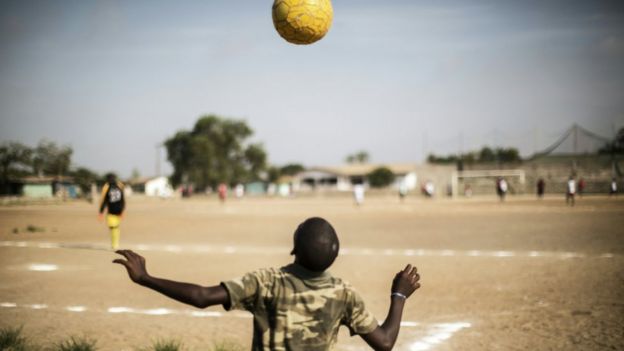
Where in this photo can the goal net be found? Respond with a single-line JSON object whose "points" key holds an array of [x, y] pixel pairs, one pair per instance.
{"points": [[468, 183]]}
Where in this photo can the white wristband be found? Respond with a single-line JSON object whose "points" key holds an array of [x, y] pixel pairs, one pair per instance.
{"points": [[398, 295]]}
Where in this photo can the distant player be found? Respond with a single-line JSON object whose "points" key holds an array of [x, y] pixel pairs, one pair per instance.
{"points": [[358, 194], [239, 191], [581, 187], [113, 201], [541, 186], [501, 188], [429, 188], [570, 191], [467, 190], [402, 191], [299, 306], [222, 190], [613, 187]]}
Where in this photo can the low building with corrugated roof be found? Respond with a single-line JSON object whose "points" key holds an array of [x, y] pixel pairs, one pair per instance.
{"points": [[344, 177]]}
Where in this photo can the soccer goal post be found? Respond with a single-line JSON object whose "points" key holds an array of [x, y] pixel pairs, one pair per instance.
{"points": [[484, 181]]}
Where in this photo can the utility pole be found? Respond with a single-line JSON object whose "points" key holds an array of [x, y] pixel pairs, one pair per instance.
{"points": [[613, 165], [460, 156], [425, 145], [158, 170], [534, 140], [575, 138], [461, 143]]}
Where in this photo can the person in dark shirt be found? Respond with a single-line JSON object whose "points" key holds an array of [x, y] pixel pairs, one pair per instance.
{"points": [[581, 187], [541, 185], [113, 201]]}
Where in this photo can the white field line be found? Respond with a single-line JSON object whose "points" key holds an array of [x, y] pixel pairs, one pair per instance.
{"points": [[42, 267], [160, 311], [129, 310], [277, 250], [434, 333]]}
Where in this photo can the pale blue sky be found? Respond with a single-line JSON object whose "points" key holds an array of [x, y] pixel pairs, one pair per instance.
{"points": [[397, 78]]}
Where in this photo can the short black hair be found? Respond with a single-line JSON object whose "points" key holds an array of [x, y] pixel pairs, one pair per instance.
{"points": [[110, 178], [316, 244]]}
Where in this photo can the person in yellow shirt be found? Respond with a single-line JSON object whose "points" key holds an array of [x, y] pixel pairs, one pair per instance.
{"points": [[113, 201]]}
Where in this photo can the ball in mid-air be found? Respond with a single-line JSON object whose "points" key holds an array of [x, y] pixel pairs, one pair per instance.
{"points": [[302, 21]]}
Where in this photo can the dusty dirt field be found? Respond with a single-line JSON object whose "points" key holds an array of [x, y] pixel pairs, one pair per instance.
{"points": [[521, 275]]}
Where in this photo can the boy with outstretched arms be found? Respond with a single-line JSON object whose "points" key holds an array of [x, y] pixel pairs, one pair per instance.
{"points": [[296, 307]]}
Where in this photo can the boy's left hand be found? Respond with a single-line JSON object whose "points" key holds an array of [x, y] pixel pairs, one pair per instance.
{"points": [[406, 281]]}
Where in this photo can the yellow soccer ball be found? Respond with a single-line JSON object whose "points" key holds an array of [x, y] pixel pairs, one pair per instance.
{"points": [[302, 21]]}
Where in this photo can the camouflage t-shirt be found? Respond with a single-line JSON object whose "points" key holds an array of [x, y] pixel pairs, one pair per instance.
{"points": [[297, 309]]}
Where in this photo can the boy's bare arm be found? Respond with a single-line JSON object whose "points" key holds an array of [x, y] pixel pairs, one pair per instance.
{"points": [[403, 285], [191, 294]]}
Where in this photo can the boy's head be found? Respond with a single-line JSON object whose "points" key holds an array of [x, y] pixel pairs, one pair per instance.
{"points": [[315, 244], [110, 178]]}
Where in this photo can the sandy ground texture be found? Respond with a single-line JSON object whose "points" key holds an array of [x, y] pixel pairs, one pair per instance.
{"points": [[519, 275]]}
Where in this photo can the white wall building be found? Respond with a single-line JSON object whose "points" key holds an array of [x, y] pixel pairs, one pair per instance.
{"points": [[342, 178], [158, 186]]}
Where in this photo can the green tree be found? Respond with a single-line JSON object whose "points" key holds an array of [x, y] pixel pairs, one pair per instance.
{"points": [[215, 151], [508, 155], [487, 155], [15, 161], [273, 174], [358, 157], [616, 146], [255, 162], [442, 159], [84, 177], [135, 174], [291, 169], [380, 177], [51, 159]]}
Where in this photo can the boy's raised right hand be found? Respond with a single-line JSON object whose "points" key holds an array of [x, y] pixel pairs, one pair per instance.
{"points": [[135, 265], [192, 294], [406, 281]]}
